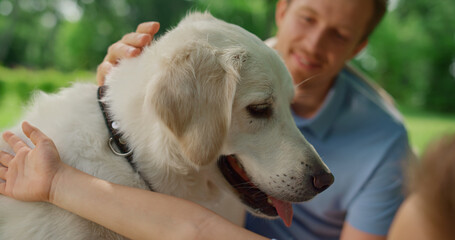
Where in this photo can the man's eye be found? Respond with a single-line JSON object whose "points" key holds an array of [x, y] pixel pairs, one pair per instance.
{"points": [[340, 36], [260, 110], [307, 19]]}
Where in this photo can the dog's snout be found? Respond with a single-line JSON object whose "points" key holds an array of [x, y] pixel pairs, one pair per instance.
{"points": [[322, 180]]}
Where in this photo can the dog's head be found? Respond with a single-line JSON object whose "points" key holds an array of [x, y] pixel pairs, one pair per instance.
{"points": [[225, 97]]}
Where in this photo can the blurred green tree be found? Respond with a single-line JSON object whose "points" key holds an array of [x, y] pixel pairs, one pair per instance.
{"points": [[411, 54], [74, 34]]}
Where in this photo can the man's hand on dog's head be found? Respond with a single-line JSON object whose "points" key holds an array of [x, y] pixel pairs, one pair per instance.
{"points": [[129, 46]]}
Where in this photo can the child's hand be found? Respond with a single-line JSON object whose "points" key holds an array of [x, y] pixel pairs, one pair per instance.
{"points": [[29, 175]]}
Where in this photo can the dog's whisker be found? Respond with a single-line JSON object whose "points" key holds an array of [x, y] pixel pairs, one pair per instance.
{"points": [[308, 79], [300, 95], [261, 198], [243, 185], [247, 187]]}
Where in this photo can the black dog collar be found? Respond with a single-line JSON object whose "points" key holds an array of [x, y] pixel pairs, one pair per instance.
{"points": [[121, 147]]}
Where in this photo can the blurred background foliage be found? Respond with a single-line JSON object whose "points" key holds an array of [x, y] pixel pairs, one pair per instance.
{"points": [[45, 44]]}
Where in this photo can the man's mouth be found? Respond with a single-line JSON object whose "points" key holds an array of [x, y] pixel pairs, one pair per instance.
{"points": [[251, 195], [307, 63]]}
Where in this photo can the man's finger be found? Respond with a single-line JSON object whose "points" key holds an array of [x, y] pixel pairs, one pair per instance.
{"points": [[102, 71], [120, 50], [14, 141], [138, 40], [5, 158], [33, 133], [148, 28]]}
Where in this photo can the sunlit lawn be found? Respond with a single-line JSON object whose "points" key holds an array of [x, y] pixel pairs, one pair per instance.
{"points": [[10, 109], [423, 126], [16, 86]]}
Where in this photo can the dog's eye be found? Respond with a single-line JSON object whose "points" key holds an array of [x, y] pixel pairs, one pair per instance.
{"points": [[260, 110]]}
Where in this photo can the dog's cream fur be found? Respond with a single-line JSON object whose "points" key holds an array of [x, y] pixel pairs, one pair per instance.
{"points": [[180, 105]]}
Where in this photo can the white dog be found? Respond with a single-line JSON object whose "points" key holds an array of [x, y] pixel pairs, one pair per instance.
{"points": [[204, 110]]}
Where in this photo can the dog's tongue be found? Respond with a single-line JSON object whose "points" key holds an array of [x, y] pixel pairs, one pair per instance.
{"points": [[284, 210]]}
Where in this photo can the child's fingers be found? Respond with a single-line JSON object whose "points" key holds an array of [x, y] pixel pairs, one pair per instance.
{"points": [[5, 158], [2, 188], [33, 133], [15, 142], [3, 171]]}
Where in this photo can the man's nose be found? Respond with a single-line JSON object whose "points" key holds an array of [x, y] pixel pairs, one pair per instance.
{"points": [[314, 41]]}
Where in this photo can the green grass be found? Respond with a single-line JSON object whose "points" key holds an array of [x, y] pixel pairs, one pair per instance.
{"points": [[424, 126], [10, 109], [17, 84]]}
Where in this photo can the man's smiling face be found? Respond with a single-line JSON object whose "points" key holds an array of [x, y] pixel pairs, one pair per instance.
{"points": [[317, 36]]}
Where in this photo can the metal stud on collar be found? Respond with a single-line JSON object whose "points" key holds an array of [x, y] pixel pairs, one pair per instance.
{"points": [[127, 154]]}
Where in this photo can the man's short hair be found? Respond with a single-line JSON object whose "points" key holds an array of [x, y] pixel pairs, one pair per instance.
{"points": [[379, 10]]}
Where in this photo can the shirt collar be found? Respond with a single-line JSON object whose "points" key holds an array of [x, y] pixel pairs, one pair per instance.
{"points": [[320, 124]]}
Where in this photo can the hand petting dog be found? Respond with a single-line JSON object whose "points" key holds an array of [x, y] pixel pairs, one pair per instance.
{"points": [[129, 46], [30, 173]]}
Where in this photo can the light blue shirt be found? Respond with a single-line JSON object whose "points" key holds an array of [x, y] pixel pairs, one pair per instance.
{"points": [[362, 140]]}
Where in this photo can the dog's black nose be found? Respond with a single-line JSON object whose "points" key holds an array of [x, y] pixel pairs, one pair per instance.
{"points": [[322, 180]]}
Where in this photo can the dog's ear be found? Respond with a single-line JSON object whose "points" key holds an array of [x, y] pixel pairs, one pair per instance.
{"points": [[194, 95]]}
